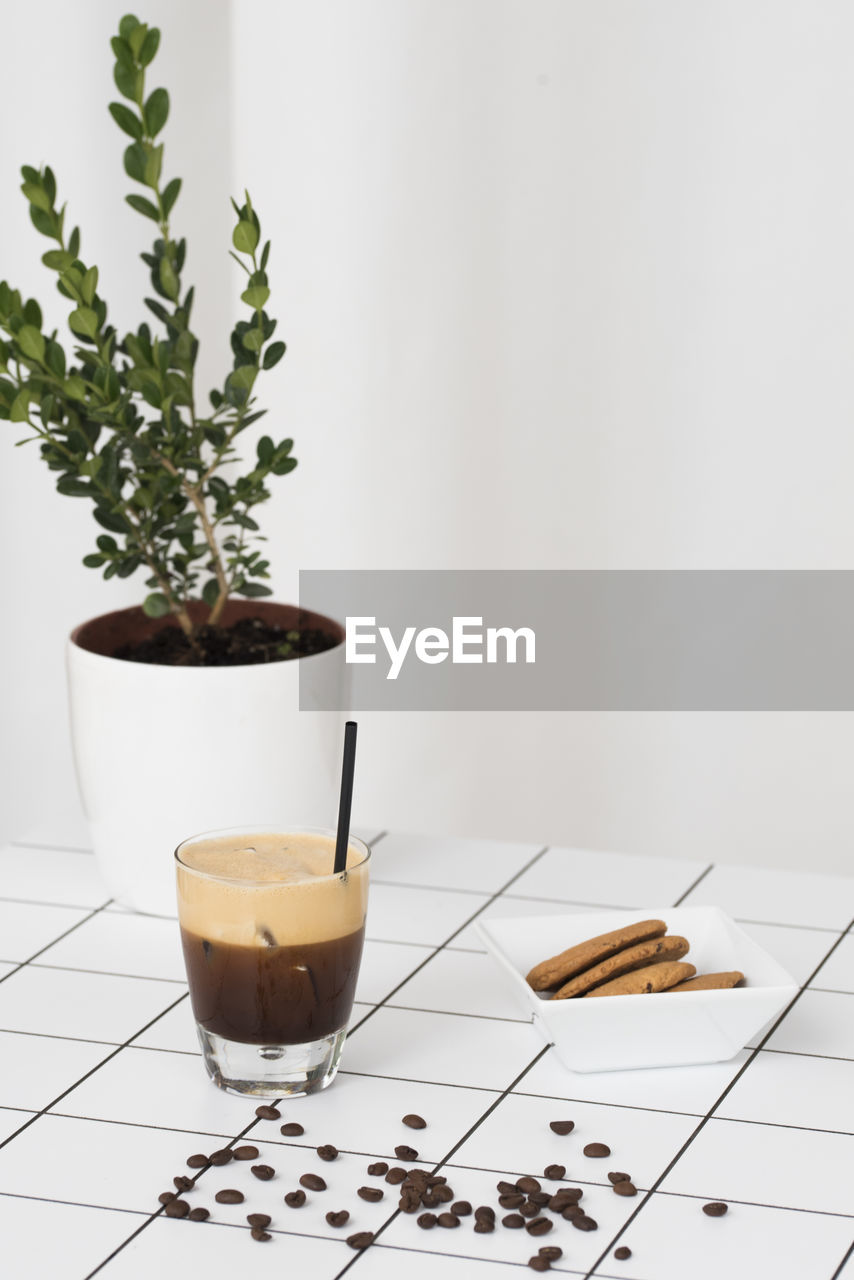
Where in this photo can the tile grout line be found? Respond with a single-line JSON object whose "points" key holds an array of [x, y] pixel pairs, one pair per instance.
{"points": [[848, 1253], [444, 1161], [23, 964], [698, 1129], [700, 878], [441, 947]]}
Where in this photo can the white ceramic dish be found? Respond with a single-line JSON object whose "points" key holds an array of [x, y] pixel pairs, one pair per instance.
{"points": [[661, 1030]]}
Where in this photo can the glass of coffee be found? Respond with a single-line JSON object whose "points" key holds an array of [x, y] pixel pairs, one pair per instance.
{"points": [[272, 941]]}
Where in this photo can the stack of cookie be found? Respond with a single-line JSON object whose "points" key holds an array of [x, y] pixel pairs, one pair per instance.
{"points": [[637, 959]]}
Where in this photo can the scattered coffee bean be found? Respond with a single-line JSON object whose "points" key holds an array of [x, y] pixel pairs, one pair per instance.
{"points": [[619, 1177], [258, 1219], [625, 1188], [539, 1198], [220, 1157], [199, 1214], [361, 1240], [583, 1223], [258, 1233], [396, 1175], [295, 1199], [529, 1209], [572, 1211], [562, 1126], [448, 1220], [426, 1220], [507, 1188], [623, 1252], [166, 1196], [716, 1209], [246, 1153], [436, 1179], [485, 1211], [312, 1182], [183, 1183], [483, 1226], [292, 1130], [415, 1122], [264, 1171], [528, 1184], [539, 1226], [514, 1221], [410, 1200], [268, 1113], [328, 1152], [538, 1263], [551, 1252], [443, 1193], [554, 1172], [429, 1199], [566, 1195], [338, 1219], [371, 1194], [229, 1196], [177, 1209], [377, 1169], [197, 1162], [461, 1208], [511, 1202], [406, 1153], [597, 1150]]}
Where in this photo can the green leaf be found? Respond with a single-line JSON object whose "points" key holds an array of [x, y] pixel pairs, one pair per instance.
{"points": [[168, 279], [243, 377], [84, 321], [44, 222], [156, 605], [108, 519], [36, 195], [55, 359], [75, 388], [128, 24], [121, 51], [282, 466], [126, 119], [93, 561], [253, 340], [245, 237], [32, 313], [150, 45], [255, 296], [245, 522], [170, 195], [74, 488], [136, 37], [128, 80], [266, 450], [253, 589], [31, 343], [106, 544], [143, 206], [89, 285], [156, 112], [57, 259], [20, 406], [265, 255], [153, 165], [273, 354], [210, 592], [135, 161], [74, 242]]}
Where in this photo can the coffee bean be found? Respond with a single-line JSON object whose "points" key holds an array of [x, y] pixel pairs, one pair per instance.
{"points": [[436, 1179], [268, 1113], [597, 1150], [258, 1233], [528, 1184], [199, 1215], [229, 1196], [511, 1202], [312, 1182], [258, 1219], [539, 1198], [396, 1175], [295, 1199], [539, 1226], [485, 1211], [246, 1153], [263, 1171], [328, 1152], [551, 1252], [406, 1153], [429, 1199], [619, 1177], [507, 1188], [562, 1126], [410, 1200], [625, 1188], [571, 1212], [182, 1183], [197, 1162], [371, 1194], [483, 1226], [177, 1209], [716, 1209], [361, 1240], [377, 1169], [554, 1172], [338, 1219], [443, 1193], [514, 1221], [418, 1177], [166, 1196], [448, 1220], [220, 1157], [426, 1220], [292, 1130], [415, 1122], [566, 1196], [538, 1263], [623, 1252], [583, 1223], [461, 1208]]}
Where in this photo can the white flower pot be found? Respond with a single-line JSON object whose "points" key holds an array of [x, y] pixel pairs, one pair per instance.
{"points": [[164, 752]]}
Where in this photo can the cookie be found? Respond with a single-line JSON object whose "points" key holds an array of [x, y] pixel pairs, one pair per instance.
{"points": [[670, 947], [556, 970], [711, 981], [653, 977]]}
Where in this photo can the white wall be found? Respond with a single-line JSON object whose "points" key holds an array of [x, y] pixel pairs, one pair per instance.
{"points": [[564, 285]]}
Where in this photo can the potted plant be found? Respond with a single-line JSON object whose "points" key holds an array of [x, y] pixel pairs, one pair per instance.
{"points": [[184, 711]]}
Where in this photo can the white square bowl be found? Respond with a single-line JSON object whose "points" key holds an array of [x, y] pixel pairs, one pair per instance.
{"points": [[615, 1033]]}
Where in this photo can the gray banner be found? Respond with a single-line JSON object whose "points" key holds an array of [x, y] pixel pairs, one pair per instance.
{"points": [[551, 640]]}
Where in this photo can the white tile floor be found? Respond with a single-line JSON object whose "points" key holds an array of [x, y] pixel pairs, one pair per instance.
{"points": [[103, 1095]]}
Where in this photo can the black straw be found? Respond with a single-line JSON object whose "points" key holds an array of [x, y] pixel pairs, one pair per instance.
{"points": [[346, 801]]}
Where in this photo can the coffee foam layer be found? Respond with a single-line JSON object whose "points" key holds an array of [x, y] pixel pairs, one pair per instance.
{"points": [[279, 889]]}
